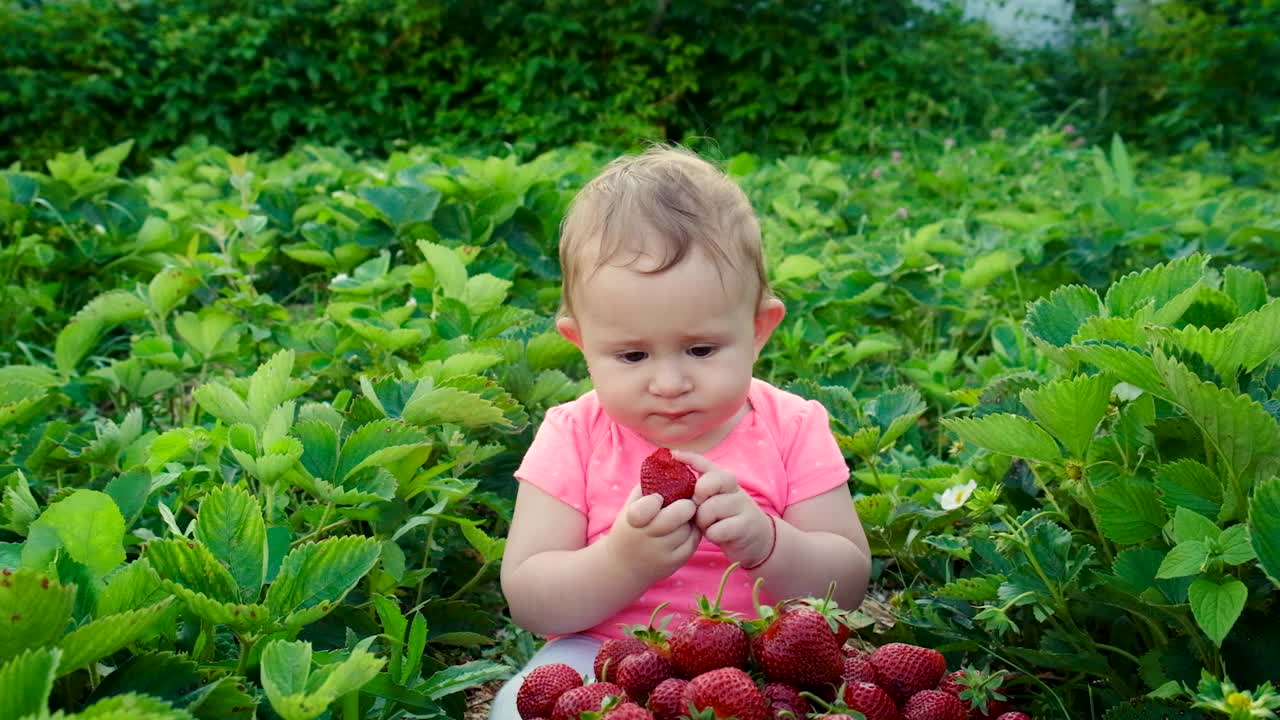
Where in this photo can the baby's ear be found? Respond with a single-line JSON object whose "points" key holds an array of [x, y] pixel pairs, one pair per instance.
{"points": [[768, 315], [568, 328]]}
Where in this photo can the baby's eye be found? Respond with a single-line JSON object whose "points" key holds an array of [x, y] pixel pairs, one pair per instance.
{"points": [[633, 356], [701, 351]]}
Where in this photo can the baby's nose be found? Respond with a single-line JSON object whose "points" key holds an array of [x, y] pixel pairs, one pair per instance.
{"points": [[670, 381]]}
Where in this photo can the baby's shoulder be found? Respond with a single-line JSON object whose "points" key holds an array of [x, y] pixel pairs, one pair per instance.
{"points": [[771, 401]]}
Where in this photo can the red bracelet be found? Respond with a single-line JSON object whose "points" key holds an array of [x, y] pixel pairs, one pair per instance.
{"points": [[772, 545]]}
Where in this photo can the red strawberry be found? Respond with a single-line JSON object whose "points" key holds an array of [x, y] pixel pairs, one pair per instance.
{"points": [[934, 705], [870, 700], [858, 668], [612, 651], [904, 670], [542, 687], [784, 699], [662, 474], [587, 698], [639, 674], [1014, 716], [798, 647], [628, 711], [726, 693], [711, 639], [665, 700], [839, 620]]}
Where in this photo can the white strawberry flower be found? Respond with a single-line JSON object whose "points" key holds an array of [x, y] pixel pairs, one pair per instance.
{"points": [[956, 495], [1126, 392]]}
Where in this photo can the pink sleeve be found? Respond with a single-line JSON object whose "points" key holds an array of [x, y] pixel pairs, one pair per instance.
{"points": [[812, 458], [554, 462]]}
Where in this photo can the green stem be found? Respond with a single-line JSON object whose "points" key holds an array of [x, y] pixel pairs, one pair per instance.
{"points": [[470, 584], [246, 649], [351, 705]]}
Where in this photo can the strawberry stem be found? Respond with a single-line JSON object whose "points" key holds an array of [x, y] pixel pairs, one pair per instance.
{"points": [[724, 580]]}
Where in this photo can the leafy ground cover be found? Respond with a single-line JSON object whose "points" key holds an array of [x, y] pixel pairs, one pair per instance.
{"points": [[258, 416]]}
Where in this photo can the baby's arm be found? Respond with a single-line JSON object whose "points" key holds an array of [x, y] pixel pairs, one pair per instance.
{"points": [[556, 584], [818, 540]]}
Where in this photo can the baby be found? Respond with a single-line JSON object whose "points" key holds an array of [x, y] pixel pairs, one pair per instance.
{"points": [[665, 294]]}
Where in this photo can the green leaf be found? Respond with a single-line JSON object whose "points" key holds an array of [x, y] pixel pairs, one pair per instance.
{"points": [[1124, 364], [377, 444], [1245, 436], [207, 333], [1216, 607], [1190, 525], [1155, 286], [298, 694], [1071, 409], [128, 707], [1186, 558], [230, 524], [190, 565], [269, 386], [1135, 569], [319, 448], [1189, 484], [1129, 511], [796, 267], [130, 588], [26, 681], [1056, 318], [1008, 435], [177, 680], [485, 292], [981, 270], [1245, 344], [1247, 288], [1264, 527], [403, 205], [99, 315], [34, 611], [490, 549], [316, 576], [86, 524], [463, 677], [169, 287], [1234, 546], [549, 350], [451, 274], [431, 405], [223, 403], [107, 634], [984, 588]]}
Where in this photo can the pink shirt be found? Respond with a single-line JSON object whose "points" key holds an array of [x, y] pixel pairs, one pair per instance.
{"points": [[782, 452]]}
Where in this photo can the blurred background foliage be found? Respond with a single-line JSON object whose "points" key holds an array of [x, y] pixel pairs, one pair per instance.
{"points": [[765, 77]]}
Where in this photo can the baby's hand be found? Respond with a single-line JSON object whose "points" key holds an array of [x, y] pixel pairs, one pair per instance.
{"points": [[727, 515], [653, 540]]}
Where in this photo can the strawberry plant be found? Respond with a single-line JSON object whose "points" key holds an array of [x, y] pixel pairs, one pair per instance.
{"points": [[1133, 533]]}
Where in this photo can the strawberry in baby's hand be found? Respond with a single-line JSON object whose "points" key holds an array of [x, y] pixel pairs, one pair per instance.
{"points": [[662, 474]]}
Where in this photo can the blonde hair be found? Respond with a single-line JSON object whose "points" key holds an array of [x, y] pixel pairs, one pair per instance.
{"points": [[685, 200]]}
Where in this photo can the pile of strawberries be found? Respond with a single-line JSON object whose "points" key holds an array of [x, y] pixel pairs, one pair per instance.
{"points": [[800, 668]]}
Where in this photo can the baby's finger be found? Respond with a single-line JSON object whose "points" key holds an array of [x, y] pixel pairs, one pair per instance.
{"points": [[678, 513], [712, 484], [713, 510], [642, 511], [695, 460]]}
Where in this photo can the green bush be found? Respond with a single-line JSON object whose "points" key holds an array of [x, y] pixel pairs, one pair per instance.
{"points": [[1179, 70], [373, 74]]}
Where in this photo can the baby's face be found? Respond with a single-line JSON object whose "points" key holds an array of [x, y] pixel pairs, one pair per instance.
{"points": [[670, 354]]}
